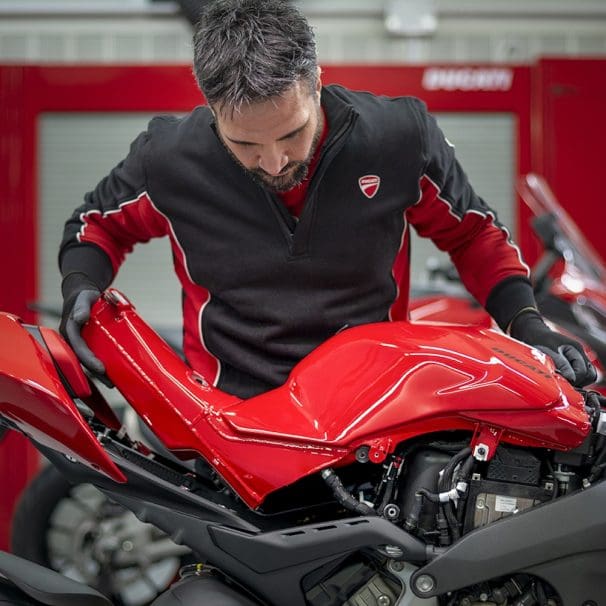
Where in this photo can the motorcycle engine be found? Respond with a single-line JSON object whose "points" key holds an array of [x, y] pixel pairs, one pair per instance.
{"points": [[512, 483]]}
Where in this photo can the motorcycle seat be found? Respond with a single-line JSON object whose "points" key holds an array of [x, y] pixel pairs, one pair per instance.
{"points": [[47, 586]]}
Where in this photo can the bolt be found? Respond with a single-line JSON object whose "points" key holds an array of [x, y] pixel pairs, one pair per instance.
{"points": [[383, 600], [127, 546], [362, 454], [424, 583], [397, 566], [480, 504], [391, 511]]}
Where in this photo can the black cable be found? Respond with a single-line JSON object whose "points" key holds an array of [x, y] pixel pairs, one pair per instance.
{"points": [[464, 476], [452, 521], [343, 496], [446, 479]]}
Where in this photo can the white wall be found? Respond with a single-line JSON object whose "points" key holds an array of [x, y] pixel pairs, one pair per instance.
{"points": [[350, 31]]}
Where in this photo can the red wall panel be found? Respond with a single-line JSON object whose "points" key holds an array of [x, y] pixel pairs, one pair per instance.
{"points": [[569, 138]]}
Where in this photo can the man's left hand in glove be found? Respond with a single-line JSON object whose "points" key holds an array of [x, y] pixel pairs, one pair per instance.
{"points": [[570, 359]]}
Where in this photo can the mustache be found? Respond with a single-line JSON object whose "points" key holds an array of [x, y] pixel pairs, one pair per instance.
{"points": [[283, 172]]}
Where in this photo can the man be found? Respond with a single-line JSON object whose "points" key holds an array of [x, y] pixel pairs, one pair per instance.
{"points": [[287, 205]]}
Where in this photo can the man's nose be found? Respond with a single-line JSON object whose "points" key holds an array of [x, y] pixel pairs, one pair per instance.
{"points": [[273, 161]]}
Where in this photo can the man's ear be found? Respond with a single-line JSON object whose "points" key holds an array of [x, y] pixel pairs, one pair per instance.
{"points": [[319, 83]]}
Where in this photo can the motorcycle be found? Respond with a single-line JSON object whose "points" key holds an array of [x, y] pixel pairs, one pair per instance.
{"points": [[400, 463], [569, 280]]}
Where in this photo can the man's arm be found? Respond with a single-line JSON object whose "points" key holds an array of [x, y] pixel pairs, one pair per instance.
{"points": [[489, 263], [117, 214]]}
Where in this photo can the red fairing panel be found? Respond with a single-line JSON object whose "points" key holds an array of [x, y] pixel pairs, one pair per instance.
{"points": [[374, 385], [33, 397]]}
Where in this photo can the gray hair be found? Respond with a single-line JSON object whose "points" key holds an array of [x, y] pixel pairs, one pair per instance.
{"points": [[251, 50]]}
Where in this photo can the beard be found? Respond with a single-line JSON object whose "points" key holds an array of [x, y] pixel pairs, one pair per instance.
{"points": [[293, 174]]}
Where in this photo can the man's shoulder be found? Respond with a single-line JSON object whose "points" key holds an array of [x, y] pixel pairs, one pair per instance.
{"points": [[180, 124], [390, 118], [171, 137]]}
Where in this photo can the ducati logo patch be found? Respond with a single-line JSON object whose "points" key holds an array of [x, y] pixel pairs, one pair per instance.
{"points": [[369, 184]]}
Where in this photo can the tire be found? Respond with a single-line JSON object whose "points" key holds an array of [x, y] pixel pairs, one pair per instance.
{"points": [[11, 596], [77, 531], [32, 514]]}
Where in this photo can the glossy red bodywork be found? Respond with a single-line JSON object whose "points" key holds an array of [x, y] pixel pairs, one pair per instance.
{"points": [[66, 360], [33, 397], [373, 385], [461, 309]]}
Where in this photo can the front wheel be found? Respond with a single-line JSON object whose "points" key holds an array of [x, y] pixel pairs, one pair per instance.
{"points": [[77, 531]]}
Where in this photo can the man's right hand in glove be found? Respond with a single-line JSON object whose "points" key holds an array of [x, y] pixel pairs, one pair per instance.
{"points": [[79, 294], [567, 354]]}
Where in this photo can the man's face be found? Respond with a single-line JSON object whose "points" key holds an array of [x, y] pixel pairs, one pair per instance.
{"points": [[275, 140]]}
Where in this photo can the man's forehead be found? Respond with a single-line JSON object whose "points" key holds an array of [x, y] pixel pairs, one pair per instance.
{"points": [[276, 117], [298, 89]]}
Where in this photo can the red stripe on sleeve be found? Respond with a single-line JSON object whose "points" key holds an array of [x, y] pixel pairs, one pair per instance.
{"points": [[139, 220], [481, 250], [117, 231]]}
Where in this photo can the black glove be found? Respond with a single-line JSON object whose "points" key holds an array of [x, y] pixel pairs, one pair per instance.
{"points": [[568, 354], [79, 294]]}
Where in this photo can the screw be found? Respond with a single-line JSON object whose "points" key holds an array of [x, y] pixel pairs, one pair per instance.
{"points": [[127, 546], [424, 583], [480, 504], [383, 600]]}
